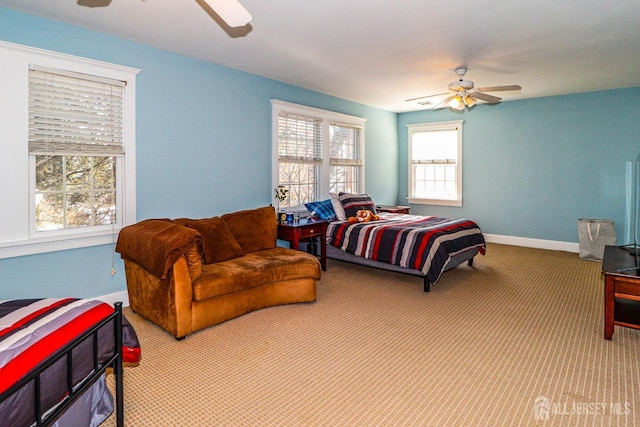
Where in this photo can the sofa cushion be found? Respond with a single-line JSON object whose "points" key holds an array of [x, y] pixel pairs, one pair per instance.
{"points": [[254, 229], [254, 269], [219, 243]]}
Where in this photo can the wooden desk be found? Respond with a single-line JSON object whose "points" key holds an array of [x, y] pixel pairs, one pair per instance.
{"points": [[621, 290], [303, 230]]}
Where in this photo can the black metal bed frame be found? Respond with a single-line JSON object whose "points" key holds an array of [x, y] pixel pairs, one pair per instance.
{"points": [[340, 255], [75, 391]]}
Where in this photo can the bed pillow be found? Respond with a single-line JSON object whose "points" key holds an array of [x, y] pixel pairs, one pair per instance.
{"points": [[352, 203], [219, 243], [337, 207], [323, 209]]}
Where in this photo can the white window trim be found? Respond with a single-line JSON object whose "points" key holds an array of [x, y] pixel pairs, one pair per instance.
{"points": [[16, 238], [426, 127], [327, 118]]}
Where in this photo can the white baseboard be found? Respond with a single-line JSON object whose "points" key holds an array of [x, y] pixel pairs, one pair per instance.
{"points": [[111, 299], [533, 243]]}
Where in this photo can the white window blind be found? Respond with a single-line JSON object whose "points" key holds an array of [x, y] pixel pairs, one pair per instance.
{"points": [[75, 114], [345, 144], [299, 138]]}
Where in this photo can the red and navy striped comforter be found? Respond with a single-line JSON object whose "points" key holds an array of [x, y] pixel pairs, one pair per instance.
{"points": [[33, 330], [423, 243]]}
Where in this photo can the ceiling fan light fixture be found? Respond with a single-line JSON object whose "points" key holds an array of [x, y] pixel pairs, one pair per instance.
{"points": [[456, 103], [469, 101], [231, 11]]}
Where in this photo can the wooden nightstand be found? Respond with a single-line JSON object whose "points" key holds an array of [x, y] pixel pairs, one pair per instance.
{"points": [[393, 209], [306, 229]]}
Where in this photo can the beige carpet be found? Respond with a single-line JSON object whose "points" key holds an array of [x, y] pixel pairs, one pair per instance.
{"points": [[515, 340]]}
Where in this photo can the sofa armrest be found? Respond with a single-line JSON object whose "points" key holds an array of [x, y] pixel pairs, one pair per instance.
{"points": [[166, 302], [156, 244]]}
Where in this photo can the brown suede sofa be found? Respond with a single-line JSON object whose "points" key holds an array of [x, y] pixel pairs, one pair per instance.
{"points": [[187, 274]]}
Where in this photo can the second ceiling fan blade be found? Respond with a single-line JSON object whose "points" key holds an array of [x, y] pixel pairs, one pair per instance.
{"points": [[486, 97], [499, 88], [428, 96], [444, 102]]}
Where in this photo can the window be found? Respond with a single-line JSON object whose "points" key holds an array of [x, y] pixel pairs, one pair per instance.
{"points": [[76, 138], [435, 163], [316, 152], [70, 150], [346, 159]]}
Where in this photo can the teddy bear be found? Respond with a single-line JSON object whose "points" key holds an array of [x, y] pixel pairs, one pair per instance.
{"points": [[363, 215]]}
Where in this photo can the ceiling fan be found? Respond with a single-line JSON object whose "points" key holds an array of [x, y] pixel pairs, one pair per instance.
{"points": [[461, 93], [231, 11]]}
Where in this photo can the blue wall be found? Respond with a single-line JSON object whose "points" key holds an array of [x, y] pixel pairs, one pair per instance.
{"points": [[203, 147], [531, 168]]}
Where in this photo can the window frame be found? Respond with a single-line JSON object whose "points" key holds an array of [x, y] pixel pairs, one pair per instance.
{"points": [[429, 127], [327, 118], [18, 233]]}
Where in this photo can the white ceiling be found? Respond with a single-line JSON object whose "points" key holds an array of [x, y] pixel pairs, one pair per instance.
{"points": [[381, 52]]}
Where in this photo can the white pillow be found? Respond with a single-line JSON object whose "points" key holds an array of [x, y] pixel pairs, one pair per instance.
{"points": [[337, 207]]}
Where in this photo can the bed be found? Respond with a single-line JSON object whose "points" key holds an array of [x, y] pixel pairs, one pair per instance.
{"points": [[423, 246], [54, 353]]}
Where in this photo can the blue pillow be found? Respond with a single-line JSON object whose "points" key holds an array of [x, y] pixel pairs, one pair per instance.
{"points": [[323, 209]]}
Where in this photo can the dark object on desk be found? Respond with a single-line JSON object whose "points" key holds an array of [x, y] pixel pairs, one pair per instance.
{"points": [[621, 290], [634, 251]]}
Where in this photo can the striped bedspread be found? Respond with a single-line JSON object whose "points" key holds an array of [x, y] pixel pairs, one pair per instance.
{"points": [[33, 330], [423, 243]]}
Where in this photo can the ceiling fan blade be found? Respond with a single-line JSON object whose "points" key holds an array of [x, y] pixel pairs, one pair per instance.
{"points": [[499, 88], [231, 11], [428, 96], [486, 97], [444, 102]]}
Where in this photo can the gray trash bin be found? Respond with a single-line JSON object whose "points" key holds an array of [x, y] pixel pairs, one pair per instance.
{"points": [[593, 236]]}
